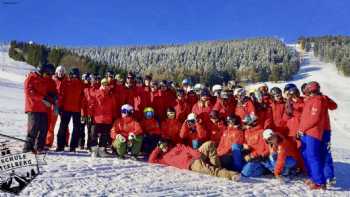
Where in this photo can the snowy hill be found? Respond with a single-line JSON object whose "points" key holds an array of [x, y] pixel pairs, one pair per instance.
{"points": [[72, 176]]}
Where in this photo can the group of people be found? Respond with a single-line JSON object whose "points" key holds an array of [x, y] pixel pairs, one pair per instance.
{"points": [[225, 131]]}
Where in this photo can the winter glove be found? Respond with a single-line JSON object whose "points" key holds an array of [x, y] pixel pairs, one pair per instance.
{"points": [[46, 102], [131, 136], [120, 138]]}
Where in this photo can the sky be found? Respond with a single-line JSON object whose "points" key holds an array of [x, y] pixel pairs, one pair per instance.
{"points": [[146, 22]]}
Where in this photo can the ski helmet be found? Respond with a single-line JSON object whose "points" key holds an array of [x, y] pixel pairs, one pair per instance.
{"points": [[148, 112], [60, 71], [276, 91], [127, 109], [289, 86], [216, 88], [48, 69], [239, 92], [74, 72], [313, 87], [267, 134], [186, 82]]}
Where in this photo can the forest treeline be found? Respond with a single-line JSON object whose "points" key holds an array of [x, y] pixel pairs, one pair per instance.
{"points": [[252, 60], [335, 49]]}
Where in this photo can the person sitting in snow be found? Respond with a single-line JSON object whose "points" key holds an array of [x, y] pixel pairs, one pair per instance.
{"points": [[126, 133], [284, 158], [204, 160], [151, 130]]}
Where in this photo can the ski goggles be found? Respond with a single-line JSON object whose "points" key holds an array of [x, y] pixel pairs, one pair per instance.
{"points": [[126, 111], [149, 114]]}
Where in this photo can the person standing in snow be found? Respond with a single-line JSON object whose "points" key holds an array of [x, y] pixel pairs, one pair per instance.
{"points": [[59, 79], [151, 130], [40, 94], [87, 107], [72, 96], [311, 130], [104, 112]]}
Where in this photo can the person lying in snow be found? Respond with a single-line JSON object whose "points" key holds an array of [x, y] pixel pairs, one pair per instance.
{"points": [[203, 160]]}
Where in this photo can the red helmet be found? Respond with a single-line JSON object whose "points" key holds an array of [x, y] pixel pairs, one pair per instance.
{"points": [[313, 87]]}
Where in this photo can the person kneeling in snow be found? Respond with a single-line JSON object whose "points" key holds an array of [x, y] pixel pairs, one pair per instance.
{"points": [[126, 133], [284, 156], [204, 160]]}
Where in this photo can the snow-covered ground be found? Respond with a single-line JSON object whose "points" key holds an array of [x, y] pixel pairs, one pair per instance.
{"points": [[72, 176]]}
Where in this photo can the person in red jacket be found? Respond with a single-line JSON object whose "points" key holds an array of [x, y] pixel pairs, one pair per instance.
{"points": [[129, 92], [193, 131], [58, 79], [262, 106], [171, 127], [225, 104], [204, 160], [126, 133], [292, 114], [103, 112], [244, 105], [39, 96], [278, 106], [181, 105], [231, 144], [191, 97], [151, 130], [72, 95], [255, 149], [204, 106], [215, 127], [284, 156], [311, 131], [86, 79], [86, 112]]}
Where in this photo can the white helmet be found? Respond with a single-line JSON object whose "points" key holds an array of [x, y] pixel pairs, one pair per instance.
{"points": [[127, 109], [198, 86], [216, 88], [267, 134], [239, 92], [60, 71], [192, 116]]}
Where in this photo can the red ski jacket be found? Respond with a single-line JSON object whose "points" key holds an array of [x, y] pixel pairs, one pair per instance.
{"points": [[286, 148], [191, 99], [244, 109], [254, 139], [180, 156], [125, 126], [182, 109], [171, 130], [36, 88], [215, 130], [197, 133], [279, 124], [230, 136], [312, 120], [72, 95], [103, 107], [224, 107], [203, 110], [150, 126], [87, 102], [293, 120]]}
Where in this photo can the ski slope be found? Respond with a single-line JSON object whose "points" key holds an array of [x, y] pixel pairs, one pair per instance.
{"points": [[73, 176]]}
